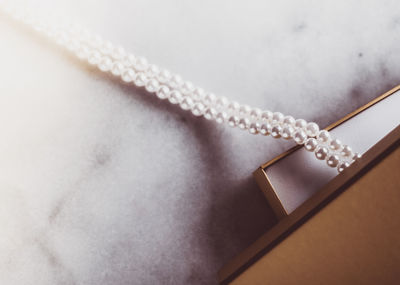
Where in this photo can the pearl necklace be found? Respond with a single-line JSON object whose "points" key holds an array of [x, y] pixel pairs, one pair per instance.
{"points": [[171, 87]]}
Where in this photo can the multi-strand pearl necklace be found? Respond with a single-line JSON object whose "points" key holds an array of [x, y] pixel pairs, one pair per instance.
{"points": [[169, 86]]}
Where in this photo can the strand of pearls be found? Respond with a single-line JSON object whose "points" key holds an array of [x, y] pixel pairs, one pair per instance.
{"points": [[166, 85]]}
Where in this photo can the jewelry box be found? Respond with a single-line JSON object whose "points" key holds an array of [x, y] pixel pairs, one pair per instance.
{"points": [[294, 176], [346, 232]]}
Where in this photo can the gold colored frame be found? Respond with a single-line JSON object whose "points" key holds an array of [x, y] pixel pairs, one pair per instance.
{"points": [[260, 174]]}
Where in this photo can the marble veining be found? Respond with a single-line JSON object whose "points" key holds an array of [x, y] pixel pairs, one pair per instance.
{"points": [[101, 183]]}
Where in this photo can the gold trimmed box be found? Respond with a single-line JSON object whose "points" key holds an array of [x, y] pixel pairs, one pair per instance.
{"points": [[347, 233]]}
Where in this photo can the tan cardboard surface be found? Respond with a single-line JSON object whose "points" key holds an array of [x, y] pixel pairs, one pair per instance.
{"points": [[355, 239]]}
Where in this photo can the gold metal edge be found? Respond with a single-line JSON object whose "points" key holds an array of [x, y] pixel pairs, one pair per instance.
{"points": [[363, 108], [266, 187]]}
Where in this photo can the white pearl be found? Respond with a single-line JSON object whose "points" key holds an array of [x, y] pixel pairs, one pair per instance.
{"points": [[94, 58], [175, 97], [117, 68], [335, 144], [163, 92], [221, 117], [234, 106], [356, 156], [289, 120], [310, 144], [152, 71], [333, 160], [301, 124], [187, 87], [210, 113], [164, 76], [253, 128], [267, 116], [130, 60], [128, 75], [73, 45], [152, 86], [312, 129], [321, 152], [105, 64], [255, 114], [198, 109], [140, 79], [300, 136], [244, 110], [198, 94], [175, 81], [342, 166], [287, 132], [276, 131], [323, 136], [222, 102], [233, 121], [187, 103], [107, 48], [277, 118], [243, 123], [265, 129], [210, 99], [118, 53], [141, 64], [346, 151], [96, 41]]}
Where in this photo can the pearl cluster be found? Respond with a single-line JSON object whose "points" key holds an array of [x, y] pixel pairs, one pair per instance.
{"points": [[166, 85]]}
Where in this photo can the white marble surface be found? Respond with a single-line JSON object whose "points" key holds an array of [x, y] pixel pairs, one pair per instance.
{"points": [[102, 184]]}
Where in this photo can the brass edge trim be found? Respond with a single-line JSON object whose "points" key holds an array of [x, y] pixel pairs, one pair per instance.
{"points": [[266, 187], [279, 157], [363, 108]]}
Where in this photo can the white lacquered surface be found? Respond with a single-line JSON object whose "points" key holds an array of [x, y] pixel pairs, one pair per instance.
{"points": [[101, 184]]}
